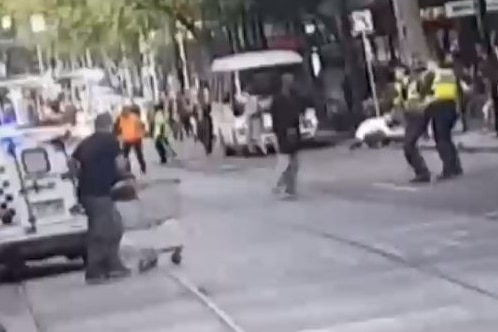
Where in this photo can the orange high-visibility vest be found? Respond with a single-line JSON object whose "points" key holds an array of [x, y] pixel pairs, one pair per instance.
{"points": [[130, 128]]}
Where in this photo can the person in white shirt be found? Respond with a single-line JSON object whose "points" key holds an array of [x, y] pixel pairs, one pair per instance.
{"points": [[375, 132]]}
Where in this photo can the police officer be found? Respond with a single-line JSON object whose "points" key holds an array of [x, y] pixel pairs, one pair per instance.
{"points": [[442, 107], [400, 89], [417, 120]]}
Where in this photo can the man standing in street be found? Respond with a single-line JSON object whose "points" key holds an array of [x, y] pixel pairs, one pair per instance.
{"points": [[286, 110], [131, 132], [98, 164]]}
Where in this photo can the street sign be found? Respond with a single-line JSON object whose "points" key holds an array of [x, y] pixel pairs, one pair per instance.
{"points": [[467, 8], [362, 22]]}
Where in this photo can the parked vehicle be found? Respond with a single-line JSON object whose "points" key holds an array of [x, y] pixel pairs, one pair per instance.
{"points": [[233, 76], [39, 213]]}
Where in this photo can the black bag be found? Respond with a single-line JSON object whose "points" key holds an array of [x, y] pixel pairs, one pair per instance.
{"points": [[124, 191]]}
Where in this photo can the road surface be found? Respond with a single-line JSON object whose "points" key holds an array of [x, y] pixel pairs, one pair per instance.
{"points": [[361, 250]]}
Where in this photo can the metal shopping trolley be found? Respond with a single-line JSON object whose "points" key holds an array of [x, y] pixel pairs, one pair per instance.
{"points": [[152, 224]]}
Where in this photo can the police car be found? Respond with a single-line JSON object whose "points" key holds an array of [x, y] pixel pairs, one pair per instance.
{"points": [[39, 214]]}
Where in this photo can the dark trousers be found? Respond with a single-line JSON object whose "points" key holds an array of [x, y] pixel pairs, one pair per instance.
{"points": [[187, 126], [287, 170], [162, 148], [444, 118], [416, 127], [105, 230], [138, 148]]}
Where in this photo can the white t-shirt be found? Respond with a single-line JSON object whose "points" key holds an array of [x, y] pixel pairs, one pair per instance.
{"points": [[371, 126]]}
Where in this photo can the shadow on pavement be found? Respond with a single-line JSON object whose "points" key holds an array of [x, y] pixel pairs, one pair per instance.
{"points": [[40, 270]]}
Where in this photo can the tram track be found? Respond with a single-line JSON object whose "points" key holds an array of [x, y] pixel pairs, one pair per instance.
{"points": [[396, 259], [207, 301], [29, 321]]}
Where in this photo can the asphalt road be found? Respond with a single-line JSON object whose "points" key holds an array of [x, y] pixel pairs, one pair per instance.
{"points": [[361, 250]]}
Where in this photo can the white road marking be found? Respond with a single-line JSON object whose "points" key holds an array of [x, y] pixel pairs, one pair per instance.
{"points": [[394, 187], [492, 215], [208, 302]]}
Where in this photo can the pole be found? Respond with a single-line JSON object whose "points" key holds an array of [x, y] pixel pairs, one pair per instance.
{"points": [[400, 27], [371, 76], [39, 54], [482, 21]]}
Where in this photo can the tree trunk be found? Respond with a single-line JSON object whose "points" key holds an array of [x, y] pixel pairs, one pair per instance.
{"points": [[412, 41], [89, 60], [355, 74], [127, 73]]}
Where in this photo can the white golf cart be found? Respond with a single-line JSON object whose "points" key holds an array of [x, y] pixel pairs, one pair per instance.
{"points": [[229, 93]]}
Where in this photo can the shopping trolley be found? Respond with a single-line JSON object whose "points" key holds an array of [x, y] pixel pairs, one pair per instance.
{"points": [[152, 225]]}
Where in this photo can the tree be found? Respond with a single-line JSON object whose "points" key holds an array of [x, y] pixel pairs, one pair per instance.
{"points": [[412, 41]]}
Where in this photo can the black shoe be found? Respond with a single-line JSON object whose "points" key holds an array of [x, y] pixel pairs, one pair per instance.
{"points": [[96, 280], [445, 176], [419, 179]]}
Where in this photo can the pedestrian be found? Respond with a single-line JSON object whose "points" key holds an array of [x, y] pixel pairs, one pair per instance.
{"points": [[98, 164], [186, 112], [206, 135], [442, 107], [286, 110], [131, 132], [161, 132]]}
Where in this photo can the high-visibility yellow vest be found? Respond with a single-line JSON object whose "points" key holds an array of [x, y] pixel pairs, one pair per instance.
{"points": [[401, 89], [161, 125], [414, 98], [399, 99], [445, 86]]}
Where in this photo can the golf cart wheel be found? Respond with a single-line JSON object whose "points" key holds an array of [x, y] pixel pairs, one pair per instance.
{"points": [[228, 152], [177, 257]]}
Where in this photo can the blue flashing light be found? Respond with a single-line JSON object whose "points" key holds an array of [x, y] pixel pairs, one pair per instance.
{"points": [[9, 145]]}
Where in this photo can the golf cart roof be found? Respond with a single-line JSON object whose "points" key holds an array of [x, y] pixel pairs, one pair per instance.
{"points": [[25, 82], [84, 74], [255, 60]]}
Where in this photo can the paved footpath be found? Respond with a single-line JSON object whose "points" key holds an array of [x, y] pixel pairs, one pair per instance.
{"points": [[326, 263]]}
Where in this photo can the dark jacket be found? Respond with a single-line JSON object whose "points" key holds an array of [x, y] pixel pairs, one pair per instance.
{"points": [[286, 112]]}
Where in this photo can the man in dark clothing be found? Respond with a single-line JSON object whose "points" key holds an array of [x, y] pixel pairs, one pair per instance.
{"points": [[286, 110], [205, 134], [98, 164]]}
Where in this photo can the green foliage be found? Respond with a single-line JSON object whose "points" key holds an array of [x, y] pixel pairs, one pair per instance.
{"points": [[75, 25]]}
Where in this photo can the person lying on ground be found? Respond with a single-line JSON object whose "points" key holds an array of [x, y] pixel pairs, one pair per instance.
{"points": [[375, 132]]}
